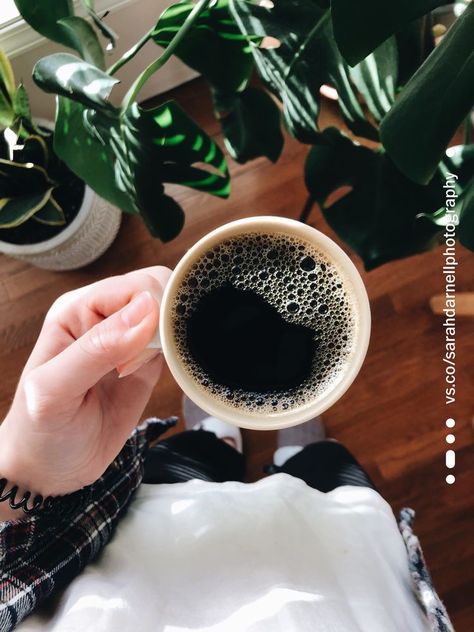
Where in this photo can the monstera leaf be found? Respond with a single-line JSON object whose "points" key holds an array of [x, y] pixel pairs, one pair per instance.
{"points": [[86, 149], [384, 215], [296, 84], [214, 46], [360, 27], [443, 87], [217, 49], [106, 31], [56, 21], [306, 58], [83, 39], [250, 121], [67, 75], [127, 158], [376, 78], [43, 17]]}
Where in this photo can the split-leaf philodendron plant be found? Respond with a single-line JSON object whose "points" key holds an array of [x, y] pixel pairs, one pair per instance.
{"points": [[394, 87]]}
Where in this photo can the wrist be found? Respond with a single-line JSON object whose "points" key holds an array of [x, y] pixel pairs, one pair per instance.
{"points": [[40, 460], [10, 497], [7, 513], [16, 470], [14, 473]]}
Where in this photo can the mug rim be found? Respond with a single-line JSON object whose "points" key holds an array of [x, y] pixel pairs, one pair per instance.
{"points": [[295, 416]]}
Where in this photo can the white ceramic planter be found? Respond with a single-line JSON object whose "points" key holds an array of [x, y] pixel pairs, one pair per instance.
{"points": [[87, 237]]}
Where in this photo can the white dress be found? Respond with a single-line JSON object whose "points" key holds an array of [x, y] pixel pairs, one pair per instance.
{"points": [[272, 556]]}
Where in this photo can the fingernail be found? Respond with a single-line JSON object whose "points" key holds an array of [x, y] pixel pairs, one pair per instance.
{"points": [[146, 356], [137, 309]]}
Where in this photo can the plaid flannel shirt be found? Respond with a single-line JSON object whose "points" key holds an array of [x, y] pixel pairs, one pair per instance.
{"points": [[40, 554]]}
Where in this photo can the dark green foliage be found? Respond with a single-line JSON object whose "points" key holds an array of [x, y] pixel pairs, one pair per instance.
{"points": [[393, 89]]}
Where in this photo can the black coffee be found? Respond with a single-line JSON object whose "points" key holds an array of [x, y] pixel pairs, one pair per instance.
{"points": [[268, 352], [264, 322]]}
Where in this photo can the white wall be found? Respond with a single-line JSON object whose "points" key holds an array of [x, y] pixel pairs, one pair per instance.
{"points": [[130, 19]]}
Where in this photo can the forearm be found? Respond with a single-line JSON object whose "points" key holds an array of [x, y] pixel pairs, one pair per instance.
{"points": [[42, 553]]}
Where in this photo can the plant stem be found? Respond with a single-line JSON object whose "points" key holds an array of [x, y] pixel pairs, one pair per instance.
{"points": [[126, 57], [306, 210], [320, 24], [152, 68]]}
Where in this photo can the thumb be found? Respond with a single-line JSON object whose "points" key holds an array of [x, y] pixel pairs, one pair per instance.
{"points": [[114, 341]]}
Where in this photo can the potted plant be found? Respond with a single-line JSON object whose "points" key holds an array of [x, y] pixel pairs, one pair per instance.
{"points": [[48, 216], [401, 98], [124, 152]]}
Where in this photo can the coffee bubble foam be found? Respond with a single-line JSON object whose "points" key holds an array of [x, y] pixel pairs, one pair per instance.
{"points": [[305, 288]]}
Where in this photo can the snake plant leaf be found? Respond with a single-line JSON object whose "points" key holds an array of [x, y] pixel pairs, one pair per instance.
{"points": [[34, 150], [16, 178], [43, 17], [106, 31], [433, 104], [21, 103], [14, 211], [250, 121], [84, 40], [214, 46], [359, 27], [7, 114], [7, 78], [306, 58], [67, 75], [381, 217], [7, 91], [4, 148], [51, 213]]}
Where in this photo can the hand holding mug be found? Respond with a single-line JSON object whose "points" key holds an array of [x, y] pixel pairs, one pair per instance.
{"points": [[72, 413]]}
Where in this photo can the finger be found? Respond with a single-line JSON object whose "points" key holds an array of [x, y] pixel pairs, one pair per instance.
{"points": [[78, 311], [128, 397], [112, 342]]}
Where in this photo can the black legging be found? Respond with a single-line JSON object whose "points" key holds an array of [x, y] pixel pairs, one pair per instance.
{"points": [[324, 465]]}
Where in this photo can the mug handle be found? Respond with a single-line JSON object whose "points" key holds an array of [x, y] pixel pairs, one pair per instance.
{"points": [[155, 342]]}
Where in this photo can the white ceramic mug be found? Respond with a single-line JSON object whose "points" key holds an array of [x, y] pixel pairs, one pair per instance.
{"points": [[361, 333]]}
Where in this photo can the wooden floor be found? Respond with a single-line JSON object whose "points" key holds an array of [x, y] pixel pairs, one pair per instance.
{"points": [[393, 417]]}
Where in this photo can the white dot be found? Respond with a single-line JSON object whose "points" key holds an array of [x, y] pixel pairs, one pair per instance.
{"points": [[450, 479], [450, 438], [450, 423]]}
